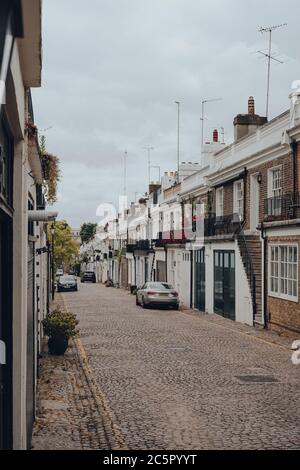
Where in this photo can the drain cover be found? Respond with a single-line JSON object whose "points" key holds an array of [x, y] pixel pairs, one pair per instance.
{"points": [[257, 379]]}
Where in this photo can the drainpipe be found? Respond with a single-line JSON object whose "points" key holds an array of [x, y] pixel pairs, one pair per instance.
{"points": [[192, 279], [294, 146], [166, 254], [134, 258], [265, 276], [245, 196]]}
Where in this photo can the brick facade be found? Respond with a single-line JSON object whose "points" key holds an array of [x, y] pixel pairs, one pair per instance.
{"points": [[284, 315], [286, 163]]}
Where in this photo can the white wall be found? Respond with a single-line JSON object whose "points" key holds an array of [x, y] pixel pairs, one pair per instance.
{"points": [[243, 302]]}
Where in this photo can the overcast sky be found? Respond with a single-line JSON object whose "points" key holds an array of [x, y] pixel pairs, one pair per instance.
{"points": [[112, 70]]}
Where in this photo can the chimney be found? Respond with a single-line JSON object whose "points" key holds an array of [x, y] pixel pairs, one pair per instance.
{"points": [[154, 187], [246, 124], [215, 136]]}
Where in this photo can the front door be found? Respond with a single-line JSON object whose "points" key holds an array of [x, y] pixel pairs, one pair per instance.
{"points": [[200, 280], [254, 206], [224, 283]]}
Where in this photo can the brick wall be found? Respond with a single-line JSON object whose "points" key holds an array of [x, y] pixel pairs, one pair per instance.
{"points": [[228, 199], [284, 315], [287, 183]]}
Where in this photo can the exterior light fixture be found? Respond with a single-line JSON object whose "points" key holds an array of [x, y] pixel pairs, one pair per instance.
{"points": [[259, 178]]}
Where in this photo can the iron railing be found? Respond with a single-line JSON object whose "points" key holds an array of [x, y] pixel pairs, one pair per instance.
{"points": [[283, 207], [248, 267]]}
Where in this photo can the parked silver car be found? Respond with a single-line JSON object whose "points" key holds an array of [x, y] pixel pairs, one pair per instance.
{"points": [[158, 294], [67, 283]]}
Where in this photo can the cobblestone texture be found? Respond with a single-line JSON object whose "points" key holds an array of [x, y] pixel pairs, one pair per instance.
{"points": [[151, 379], [168, 379], [72, 414]]}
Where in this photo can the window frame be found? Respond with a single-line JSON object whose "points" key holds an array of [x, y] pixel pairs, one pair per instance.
{"points": [[219, 203], [271, 190], [236, 200], [280, 277]]}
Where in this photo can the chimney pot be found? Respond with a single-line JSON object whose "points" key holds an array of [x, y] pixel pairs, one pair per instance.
{"points": [[251, 106]]}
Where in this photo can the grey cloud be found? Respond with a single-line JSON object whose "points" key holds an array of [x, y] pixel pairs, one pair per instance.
{"points": [[112, 70]]}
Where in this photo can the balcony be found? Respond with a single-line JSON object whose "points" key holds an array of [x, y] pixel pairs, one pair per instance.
{"points": [[213, 226], [284, 207], [143, 245], [171, 237], [131, 247], [140, 245], [225, 225]]}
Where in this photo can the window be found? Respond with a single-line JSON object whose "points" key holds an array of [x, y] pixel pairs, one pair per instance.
{"points": [[219, 202], [283, 268], [275, 190], [276, 182], [6, 156], [238, 205]]}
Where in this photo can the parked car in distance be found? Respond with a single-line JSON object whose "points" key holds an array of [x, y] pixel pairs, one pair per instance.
{"points": [[67, 283], [158, 294], [88, 276]]}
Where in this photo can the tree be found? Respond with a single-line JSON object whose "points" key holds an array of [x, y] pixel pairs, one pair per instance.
{"points": [[51, 172], [66, 250], [87, 232]]}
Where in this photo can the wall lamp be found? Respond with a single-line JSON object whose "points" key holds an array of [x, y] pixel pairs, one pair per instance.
{"points": [[259, 178]]}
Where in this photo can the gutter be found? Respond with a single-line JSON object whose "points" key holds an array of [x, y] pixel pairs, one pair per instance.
{"points": [[294, 147], [265, 290], [41, 216]]}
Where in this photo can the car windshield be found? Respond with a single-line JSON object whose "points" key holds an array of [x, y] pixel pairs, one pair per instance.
{"points": [[160, 286], [66, 279]]}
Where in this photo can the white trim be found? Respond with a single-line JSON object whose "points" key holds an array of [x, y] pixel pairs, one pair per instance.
{"points": [[270, 180], [219, 204], [283, 232], [235, 200]]}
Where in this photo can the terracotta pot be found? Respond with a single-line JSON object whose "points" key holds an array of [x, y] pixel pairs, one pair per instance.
{"points": [[57, 345]]}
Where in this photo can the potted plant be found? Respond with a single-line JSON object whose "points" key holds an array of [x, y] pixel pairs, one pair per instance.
{"points": [[59, 326]]}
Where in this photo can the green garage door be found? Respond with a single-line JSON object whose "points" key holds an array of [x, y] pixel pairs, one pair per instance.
{"points": [[224, 283], [200, 279]]}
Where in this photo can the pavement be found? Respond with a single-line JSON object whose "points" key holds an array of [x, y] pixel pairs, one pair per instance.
{"points": [[161, 379]]}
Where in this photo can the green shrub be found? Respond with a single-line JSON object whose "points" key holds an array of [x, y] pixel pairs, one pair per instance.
{"points": [[59, 323]]}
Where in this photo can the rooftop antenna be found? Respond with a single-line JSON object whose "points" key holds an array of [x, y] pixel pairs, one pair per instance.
{"points": [[269, 30], [149, 148], [203, 103], [223, 135], [125, 172]]}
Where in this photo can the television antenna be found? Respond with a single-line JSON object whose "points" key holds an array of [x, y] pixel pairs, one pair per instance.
{"points": [[269, 30], [202, 119], [149, 148], [125, 172]]}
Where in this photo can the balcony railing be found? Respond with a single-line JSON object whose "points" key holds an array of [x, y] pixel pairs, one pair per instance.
{"points": [[170, 237], [284, 207], [140, 245], [131, 247], [213, 226]]}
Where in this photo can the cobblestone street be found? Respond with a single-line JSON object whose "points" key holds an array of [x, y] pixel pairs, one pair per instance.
{"points": [[167, 379]]}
